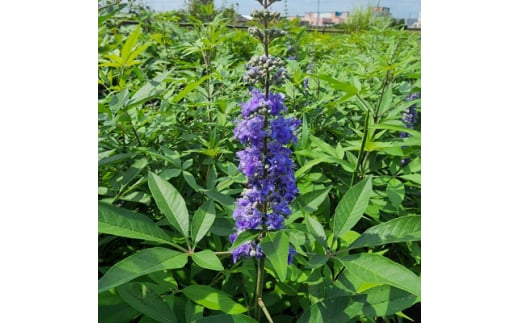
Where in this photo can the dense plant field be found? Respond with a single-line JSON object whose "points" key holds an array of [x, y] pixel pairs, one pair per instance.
{"points": [[170, 101]]}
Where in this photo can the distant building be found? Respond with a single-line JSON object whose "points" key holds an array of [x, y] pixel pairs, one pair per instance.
{"points": [[417, 24], [324, 18], [243, 19], [410, 21], [380, 11]]}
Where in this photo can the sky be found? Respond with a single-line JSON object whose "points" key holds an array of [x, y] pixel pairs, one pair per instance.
{"points": [[398, 8]]}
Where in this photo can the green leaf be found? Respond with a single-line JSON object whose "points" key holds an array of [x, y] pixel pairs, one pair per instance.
{"points": [[311, 201], [406, 228], [275, 246], [412, 132], [376, 302], [146, 301], [227, 318], [316, 229], [207, 259], [346, 87], [395, 191], [134, 170], [112, 309], [305, 133], [377, 269], [352, 206], [114, 158], [170, 173], [141, 263], [213, 299], [193, 312], [415, 178], [321, 157], [225, 200], [386, 100], [243, 237], [323, 146], [125, 223], [131, 41], [189, 87], [385, 300], [148, 91], [190, 179], [137, 197], [170, 202], [202, 221], [332, 309]]}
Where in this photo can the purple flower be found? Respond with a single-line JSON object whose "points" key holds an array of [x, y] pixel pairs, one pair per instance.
{"points": [[292, 252], [247, 249], [257, 101], [251, 130], [409, 118], [283, 129], [276, 104]]}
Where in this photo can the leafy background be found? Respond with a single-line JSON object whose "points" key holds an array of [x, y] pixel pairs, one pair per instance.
{"points": [[168, 97]]}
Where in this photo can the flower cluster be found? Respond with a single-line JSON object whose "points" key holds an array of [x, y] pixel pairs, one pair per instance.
{"points": [[263, 70], [409, 116], [268, 35], [268, 167], [266, 161], [409, 119]]}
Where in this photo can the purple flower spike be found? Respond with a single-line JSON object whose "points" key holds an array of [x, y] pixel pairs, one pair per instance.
{"points": [[268, 166]]}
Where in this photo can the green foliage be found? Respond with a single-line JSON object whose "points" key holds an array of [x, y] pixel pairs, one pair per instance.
{"points": [[168, 179]]}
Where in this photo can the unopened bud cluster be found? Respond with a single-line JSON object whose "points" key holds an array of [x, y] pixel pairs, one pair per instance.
{"points": [[268, 36], [265, 70], [265, 15], [267, 3]]}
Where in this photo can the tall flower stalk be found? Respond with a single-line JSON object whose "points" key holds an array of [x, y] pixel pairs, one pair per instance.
{"points": [[266, 160]]}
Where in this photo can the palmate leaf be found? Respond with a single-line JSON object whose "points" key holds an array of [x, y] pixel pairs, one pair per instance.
{"points": [[406, 228], [125, 223], [377, 269], [141, 263]]}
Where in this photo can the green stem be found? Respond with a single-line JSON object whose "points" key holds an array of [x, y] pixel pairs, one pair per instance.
{"points": [[259, 287], [362, 148], [137, 136], [264, 309], [380, 100]]}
